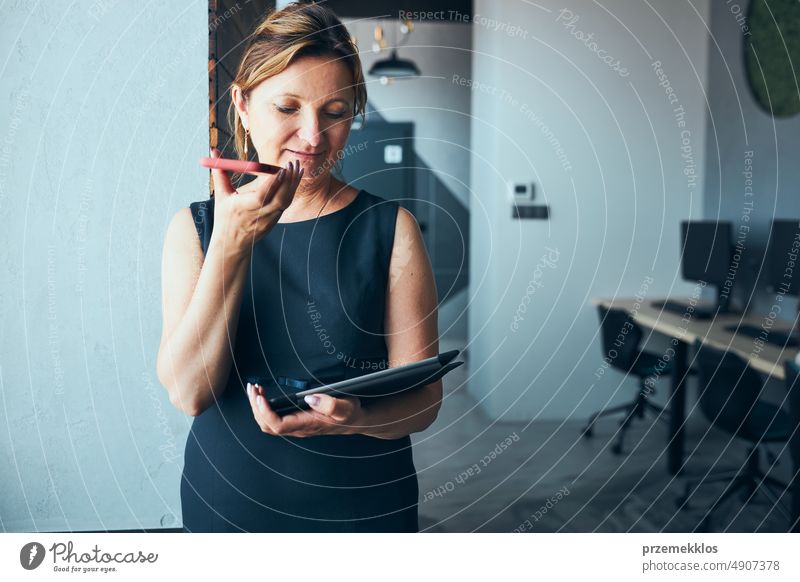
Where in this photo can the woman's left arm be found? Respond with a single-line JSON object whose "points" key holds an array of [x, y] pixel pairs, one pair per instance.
{"points": [[411, 329]]}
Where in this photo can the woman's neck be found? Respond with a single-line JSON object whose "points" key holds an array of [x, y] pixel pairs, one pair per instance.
{"points": [[312, 198]]}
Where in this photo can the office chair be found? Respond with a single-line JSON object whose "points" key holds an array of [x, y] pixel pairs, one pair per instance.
{"points": [[628, 358], [793, 387], [729, 399]]}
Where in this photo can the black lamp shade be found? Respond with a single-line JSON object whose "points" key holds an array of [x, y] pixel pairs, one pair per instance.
{"points": [[394, 67]]}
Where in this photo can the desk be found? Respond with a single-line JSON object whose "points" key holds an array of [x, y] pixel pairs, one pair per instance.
{"points": [[684, 330]]}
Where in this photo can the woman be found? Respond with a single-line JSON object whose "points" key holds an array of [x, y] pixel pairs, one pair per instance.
{"points": [[292, 279]]}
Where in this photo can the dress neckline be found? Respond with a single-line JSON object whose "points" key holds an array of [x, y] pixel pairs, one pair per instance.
{"points": [[320, 217]]}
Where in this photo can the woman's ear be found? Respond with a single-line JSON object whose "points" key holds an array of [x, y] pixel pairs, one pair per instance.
{"points": [[240, 102]]}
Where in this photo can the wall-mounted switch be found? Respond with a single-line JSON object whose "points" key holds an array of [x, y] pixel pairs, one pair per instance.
{"points": [[521, 190], [393, 154]]}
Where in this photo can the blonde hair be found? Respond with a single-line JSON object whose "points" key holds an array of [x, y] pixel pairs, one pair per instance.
{"points": [[299, 29]]}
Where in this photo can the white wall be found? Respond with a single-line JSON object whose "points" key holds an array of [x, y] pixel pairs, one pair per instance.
{"points": [[617, 190], [93, 93]]}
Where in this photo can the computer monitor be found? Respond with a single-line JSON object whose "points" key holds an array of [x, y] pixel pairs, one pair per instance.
{"points": [[783, 257], [706, 252]]}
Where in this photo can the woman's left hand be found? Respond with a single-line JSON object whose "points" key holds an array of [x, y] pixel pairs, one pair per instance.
{"points": [[328, 415]]}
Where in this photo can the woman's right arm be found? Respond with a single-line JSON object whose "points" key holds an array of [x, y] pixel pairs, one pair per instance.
{"points": [[200, 305], [202, 296]]}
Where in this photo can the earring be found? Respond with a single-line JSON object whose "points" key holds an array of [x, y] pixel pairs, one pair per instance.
{"points": [[246, 136]]}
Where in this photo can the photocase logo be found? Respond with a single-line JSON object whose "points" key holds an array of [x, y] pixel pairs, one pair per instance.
{"points": [[31, 555]]}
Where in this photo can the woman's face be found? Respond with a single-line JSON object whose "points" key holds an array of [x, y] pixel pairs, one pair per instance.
{"points": [[303, 113]]}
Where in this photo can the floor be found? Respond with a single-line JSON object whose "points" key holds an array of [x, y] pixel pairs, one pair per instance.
{"points": [[476, 475]]}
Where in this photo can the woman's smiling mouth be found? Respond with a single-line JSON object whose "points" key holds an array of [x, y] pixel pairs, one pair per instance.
{"points": [[306, 156]]}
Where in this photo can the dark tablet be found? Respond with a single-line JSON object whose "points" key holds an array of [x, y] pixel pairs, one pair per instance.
{"points": [[376, 384]]}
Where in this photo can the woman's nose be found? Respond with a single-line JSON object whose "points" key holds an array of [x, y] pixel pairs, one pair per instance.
{"points": [[309, 130]]}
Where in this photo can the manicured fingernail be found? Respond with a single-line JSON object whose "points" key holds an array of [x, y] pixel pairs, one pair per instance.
{"points": [[260, 402], [249, 389], [312, 399]]}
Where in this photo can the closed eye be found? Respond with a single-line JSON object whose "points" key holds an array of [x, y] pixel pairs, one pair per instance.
{"points": [[288, 110]]}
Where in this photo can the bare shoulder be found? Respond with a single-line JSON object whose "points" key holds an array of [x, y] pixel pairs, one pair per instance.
{"points": [[182, 255], [406, 224], [182, 219], [408, 239], [181, 231], [409, 265]]}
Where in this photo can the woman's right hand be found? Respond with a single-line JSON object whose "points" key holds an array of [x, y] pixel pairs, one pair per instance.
{"points": [[242, 217]]}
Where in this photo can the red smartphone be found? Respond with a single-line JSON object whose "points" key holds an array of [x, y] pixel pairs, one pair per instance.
{"points": [[240, 166]]}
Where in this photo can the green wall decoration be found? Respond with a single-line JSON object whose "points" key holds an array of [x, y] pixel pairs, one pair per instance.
{"points": [[772, 55]]}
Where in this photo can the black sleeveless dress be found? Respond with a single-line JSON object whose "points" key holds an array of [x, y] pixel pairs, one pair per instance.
{"points": [[313, 311]]}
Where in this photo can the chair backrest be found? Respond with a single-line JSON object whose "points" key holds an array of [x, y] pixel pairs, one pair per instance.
{"points": [[621, 337], [728, 387]]}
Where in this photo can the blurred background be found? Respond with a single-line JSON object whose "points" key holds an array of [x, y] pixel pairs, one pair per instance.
{"points": [[608, 192]]}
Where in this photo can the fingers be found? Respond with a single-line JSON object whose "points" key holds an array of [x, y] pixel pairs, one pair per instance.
{"points": [[266, 192], [222, 182], [284, 194], [301, 424], [336, 409], [264, 415], [297, 424]]}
